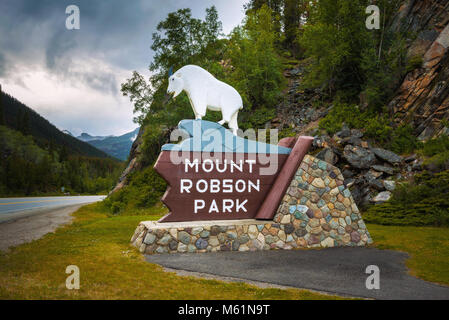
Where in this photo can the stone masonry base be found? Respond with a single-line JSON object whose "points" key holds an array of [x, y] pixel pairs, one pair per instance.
{"points": [[316, 211]]}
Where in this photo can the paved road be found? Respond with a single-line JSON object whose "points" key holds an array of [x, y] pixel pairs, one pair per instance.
{"points": [[14, 208], [335, 270], [26, 219]]}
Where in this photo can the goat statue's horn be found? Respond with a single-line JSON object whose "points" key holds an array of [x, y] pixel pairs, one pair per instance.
{"points": [[170, 71]]}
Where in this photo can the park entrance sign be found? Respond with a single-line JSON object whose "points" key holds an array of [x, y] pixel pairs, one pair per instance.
{"points": [[230, 193]]}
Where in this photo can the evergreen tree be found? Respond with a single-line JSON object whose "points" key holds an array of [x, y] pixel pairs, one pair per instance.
{"points": [[294, 16], [335, 37], [25, 124], [2, 115], [257, 71], [276, 7], [213, 26]]}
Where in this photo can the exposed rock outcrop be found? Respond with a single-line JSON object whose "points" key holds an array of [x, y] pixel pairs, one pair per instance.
{"points": [[133, 163], [423, 97]]}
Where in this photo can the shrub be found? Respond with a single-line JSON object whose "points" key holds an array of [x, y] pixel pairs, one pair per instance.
{"points": [[437, 153], [145, 189], [403, 140], [414, 63], [421, 202], [256, 119], [438, 162], [376, 126], [435, 146], [340, 113]]}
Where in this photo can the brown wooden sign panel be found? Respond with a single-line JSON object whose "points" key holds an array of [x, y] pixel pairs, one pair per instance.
{"points": [[220, 186]]}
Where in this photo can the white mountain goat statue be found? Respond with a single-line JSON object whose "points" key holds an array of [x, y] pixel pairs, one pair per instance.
{"points": [[206, 92]]}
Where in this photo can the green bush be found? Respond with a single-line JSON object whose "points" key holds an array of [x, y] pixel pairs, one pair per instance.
{"points": [[435, 146], [403, 140], [116, 207], [436, 152], [287, 132], [145, 189], [438, 162], [374, 125], [256, 119], [423, 202], [414, 63], [340, 113]]}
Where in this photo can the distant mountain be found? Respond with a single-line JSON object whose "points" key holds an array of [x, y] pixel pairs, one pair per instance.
{"points": [[117, 147], [87, 137], [20, 117]]}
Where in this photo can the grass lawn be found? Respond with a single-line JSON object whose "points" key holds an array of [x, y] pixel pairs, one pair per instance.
{"points": [[428, 248], [109, 267]]}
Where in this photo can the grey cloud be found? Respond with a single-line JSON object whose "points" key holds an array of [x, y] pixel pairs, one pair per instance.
{"points": [[115, 32], [57, 47], [100, 81]]}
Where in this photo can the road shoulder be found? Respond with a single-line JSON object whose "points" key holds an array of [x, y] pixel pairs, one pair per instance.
{"points": [[34, 224]]}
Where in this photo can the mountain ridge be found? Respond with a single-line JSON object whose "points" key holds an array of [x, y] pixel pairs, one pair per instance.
{"points": [[20, 117], [115, 146]]}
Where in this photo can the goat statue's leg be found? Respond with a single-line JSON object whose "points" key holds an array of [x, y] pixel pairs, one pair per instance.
{"points": [[233, 124]]}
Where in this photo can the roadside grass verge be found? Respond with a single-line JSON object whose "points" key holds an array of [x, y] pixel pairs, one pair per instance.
{"points": [[428, 248], [110, 268]]}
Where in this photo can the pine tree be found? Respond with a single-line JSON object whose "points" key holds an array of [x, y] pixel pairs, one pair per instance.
{"points": [[295, 11], [2, 115], [334, 37], [213, 26], [276, 7], [26, 123]]}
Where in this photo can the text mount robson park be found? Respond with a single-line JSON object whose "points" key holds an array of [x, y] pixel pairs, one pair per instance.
{"points": [[229, 182], [226, 192]]}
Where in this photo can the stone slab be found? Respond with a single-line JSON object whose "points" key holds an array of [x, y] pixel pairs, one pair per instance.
{"points": [[194, 224]]}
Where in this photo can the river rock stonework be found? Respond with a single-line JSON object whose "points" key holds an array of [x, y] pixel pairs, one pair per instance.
{"points": [[316, 211]]}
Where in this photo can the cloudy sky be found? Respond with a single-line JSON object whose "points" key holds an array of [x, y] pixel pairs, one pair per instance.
{"points": [[73, 77]]}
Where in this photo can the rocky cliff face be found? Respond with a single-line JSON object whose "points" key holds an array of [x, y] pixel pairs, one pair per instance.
{"points": [[422, 100], [134, 163]]}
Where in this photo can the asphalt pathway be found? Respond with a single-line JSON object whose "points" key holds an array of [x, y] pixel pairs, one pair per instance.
{"points": [[338, 271]]}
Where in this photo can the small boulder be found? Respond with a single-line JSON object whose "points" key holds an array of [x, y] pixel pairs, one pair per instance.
{"points": [[328, 155], [349, 182], [356, 133], [358, 157], [390, 185], [373, 173], [344, 132], [385, 169], [387, 155], [382, 197], [347, 173], [377, 184], [417, 165], [410, 158], [352, 140]]}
